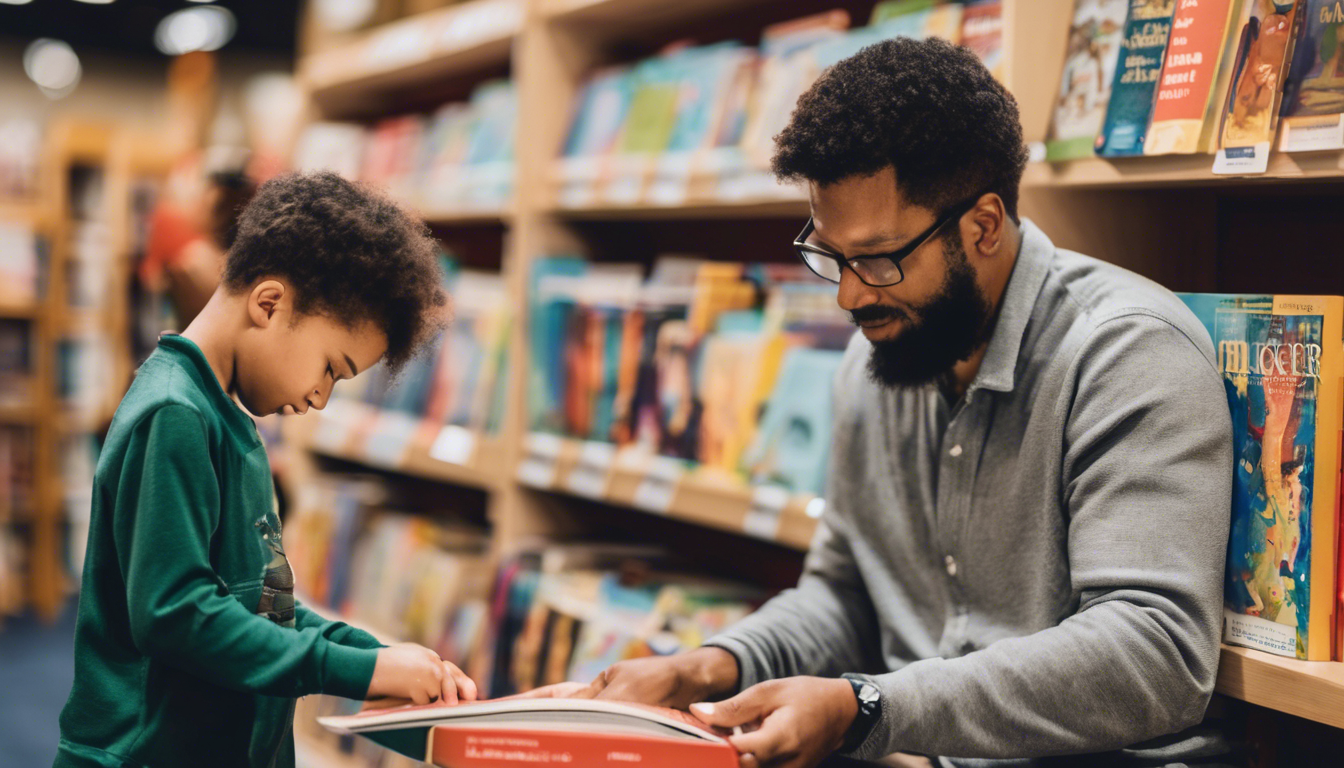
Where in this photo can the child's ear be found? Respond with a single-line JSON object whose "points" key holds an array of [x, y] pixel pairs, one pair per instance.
{"points": [[265, 300]]}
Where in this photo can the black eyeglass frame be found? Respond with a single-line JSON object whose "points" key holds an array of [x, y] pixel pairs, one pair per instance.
{"points": [[802, 247]]}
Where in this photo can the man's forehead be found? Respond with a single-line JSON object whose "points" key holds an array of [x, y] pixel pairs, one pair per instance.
{"points": [[864, 213]]}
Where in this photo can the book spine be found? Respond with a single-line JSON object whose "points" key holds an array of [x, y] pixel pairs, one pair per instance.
{"points": [[1324, 522], [452, 747]]}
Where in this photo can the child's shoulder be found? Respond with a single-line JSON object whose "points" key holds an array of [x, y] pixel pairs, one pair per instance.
{"points": [[160, 391]]}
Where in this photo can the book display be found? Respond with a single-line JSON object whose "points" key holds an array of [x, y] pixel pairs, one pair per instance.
{"points": [[620, 444], [666, 357]]}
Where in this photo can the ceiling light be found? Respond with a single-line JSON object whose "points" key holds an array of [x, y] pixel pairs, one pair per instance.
{"points": [[53, 65], [203, 28]]}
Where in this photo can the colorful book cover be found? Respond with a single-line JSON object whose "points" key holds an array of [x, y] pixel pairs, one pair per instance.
{"points": [[794, 438], [1280, 357], [918, 19], [1134, 87], [1196, 70], [549, 316], [1313, 96], [982, 32], [1250, 112], [1085, 84], [787, 71]]}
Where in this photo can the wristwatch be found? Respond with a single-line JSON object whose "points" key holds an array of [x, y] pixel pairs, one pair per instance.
{"points": [[870, 711]]}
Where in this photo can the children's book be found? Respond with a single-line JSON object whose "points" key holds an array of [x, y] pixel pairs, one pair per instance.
{"points": [[982, 32], [1280, 358], [1313, 96], [795, 434], [1251, 109], [1142, 48], [581, 732], [1196, 72], [1085, 84], [918, 19]]}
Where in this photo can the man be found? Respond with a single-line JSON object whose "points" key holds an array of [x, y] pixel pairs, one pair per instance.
{"points": [[1030, 478]]}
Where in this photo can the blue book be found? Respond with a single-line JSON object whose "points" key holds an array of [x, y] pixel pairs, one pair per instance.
{"points": [[1134, 89]]}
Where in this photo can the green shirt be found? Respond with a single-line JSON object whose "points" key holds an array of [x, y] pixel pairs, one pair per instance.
{"points": [[189, 647]]}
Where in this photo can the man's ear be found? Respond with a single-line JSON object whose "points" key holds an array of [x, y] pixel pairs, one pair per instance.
{"points": [[267, 299], [988, 217]]}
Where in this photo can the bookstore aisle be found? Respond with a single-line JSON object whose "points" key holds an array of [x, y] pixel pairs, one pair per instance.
{"points": [[618, 448]]}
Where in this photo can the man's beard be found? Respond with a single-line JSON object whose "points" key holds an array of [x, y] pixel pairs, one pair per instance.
{"points": [[944, 331]]}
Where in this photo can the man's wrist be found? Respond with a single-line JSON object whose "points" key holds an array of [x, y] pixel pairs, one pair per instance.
{"points": [[867, 712], [712, 672]]}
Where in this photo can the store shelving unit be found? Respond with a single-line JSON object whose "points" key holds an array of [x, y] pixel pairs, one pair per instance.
{"points": [[1168, 217]]}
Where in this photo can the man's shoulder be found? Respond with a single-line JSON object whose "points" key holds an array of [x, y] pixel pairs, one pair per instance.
{"points": [[1090, 296]]}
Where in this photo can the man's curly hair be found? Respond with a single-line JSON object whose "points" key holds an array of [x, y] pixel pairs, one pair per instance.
{"points": [[927, 108], [350, 254]]}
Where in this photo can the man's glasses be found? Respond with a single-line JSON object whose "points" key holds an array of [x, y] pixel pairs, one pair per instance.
{"points": [[879, 270]]}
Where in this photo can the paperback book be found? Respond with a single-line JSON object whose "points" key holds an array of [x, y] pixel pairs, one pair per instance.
{"points": [[1085, 84], [1313, 96], [521, 731], [1143, 46], [1280, 358]]}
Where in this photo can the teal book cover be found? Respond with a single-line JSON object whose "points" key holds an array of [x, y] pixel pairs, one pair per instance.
{"points": [[1147, 30], [549, 316], [794, 440]]}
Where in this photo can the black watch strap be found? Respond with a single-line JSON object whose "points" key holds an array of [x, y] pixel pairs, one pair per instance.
{"points": [[869, 699]]}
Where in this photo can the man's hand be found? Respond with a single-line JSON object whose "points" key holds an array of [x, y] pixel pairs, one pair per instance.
{"points": [[666, 681], [799, 720], [412, 672]]}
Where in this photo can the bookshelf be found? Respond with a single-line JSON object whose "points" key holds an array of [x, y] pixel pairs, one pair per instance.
{"points": [[1169, 218], [444, 454]]}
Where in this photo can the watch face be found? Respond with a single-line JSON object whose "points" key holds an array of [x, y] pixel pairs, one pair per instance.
{"points": [[868, 694]]}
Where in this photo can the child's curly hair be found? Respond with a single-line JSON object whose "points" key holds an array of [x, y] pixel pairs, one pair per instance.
{"points": [[350, 254]]}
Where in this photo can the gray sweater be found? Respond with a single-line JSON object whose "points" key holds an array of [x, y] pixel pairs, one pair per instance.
{"points": [[1037, 569]]}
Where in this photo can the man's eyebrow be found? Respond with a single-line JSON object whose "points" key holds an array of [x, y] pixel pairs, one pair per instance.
{"points": [[872, 242], [353, 370]]}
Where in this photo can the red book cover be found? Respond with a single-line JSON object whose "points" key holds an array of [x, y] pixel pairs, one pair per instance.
{"points": [[523, 730], [461, 747]]}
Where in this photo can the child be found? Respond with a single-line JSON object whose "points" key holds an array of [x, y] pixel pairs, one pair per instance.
{"points": [[189, 646]]}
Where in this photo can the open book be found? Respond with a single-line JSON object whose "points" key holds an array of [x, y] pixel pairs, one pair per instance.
{"points": [[517, 731]]}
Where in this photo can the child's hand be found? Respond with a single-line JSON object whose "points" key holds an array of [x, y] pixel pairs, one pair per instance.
{"points": [[413, 672]]}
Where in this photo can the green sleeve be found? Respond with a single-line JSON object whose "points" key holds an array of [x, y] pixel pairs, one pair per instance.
{"points": [[179, 611], [335, 631]]}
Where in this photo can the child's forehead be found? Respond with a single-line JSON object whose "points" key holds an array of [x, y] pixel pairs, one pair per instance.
{"points": [[362, 342]]}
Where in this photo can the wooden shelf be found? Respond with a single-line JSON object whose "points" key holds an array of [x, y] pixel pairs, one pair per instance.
{"points": [[705, 496], [22, 310], [360, 433], [1179, 171], [625, 14], [450, 218], [1310, 689], [28, 212], [412, 52], [745, 209], [11, 413]]}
